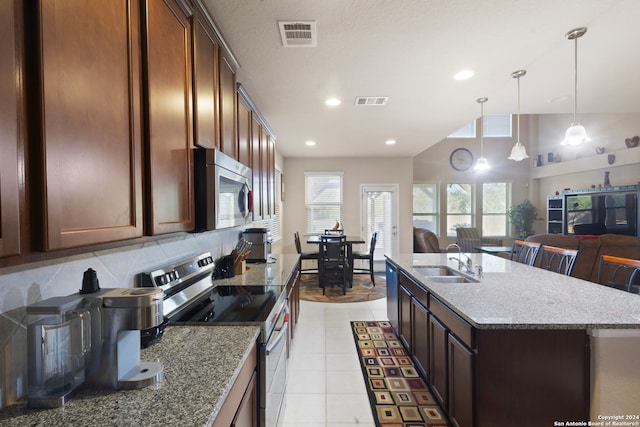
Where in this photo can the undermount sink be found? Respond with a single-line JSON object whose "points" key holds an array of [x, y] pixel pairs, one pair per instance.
{"points": [[436, 270], [443, 274], [451, 279]]}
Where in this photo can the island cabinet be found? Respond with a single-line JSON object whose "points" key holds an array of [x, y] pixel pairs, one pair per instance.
{"points": [[86, 121], [168, 107], [12, 129], [493, 376], [240, 408]]}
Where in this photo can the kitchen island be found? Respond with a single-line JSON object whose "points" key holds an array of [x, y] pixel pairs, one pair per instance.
{"points": [[519, 345]]}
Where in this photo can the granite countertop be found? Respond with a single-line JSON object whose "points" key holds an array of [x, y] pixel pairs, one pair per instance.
{"points": [[512, 295], [278, 270], [200, 364]]}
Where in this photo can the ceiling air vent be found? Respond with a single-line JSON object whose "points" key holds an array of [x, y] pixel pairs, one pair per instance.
{"points": [[371, 100], [298, 33]]}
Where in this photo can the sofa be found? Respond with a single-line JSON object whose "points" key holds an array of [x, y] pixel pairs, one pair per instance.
{"points": [[590, 248]]}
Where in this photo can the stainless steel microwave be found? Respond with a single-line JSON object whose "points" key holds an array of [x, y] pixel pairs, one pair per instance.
{"points": [[222, 185]]}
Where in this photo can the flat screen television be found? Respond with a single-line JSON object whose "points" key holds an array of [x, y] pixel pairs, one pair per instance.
{"points": [[614, 212]]}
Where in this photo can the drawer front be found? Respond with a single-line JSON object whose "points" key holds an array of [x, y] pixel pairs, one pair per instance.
{"points": [[416, 290], [458, 326]]}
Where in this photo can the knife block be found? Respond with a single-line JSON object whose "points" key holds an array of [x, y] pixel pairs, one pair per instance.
{"points": [[240, 267]]}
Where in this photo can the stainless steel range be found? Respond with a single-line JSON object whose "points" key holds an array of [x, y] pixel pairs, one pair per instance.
{"points": [[192, 296]]}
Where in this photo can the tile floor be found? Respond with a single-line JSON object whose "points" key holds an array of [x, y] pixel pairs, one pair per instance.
{"points": [[325, 386]]}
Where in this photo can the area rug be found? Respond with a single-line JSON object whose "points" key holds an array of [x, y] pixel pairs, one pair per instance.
{"points": [[362, 290], [399, 397]]}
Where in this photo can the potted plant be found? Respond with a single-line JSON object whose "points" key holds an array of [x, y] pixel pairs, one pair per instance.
{"points": [[522, 216]]}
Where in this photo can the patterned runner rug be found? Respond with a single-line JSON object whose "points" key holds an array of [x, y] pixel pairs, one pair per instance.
{"points": [[399, 396]]}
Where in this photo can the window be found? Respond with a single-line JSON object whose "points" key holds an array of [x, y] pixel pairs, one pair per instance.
{"points": [[494, 126], [497, 126], [323, 200], [425, 207], [467, 131], [496, 199], [459, 207]]}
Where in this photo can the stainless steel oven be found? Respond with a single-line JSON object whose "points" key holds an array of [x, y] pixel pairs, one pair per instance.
{"points": [[192, 296], [222, 186]]}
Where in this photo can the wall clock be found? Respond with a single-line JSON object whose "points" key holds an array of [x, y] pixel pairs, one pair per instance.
{"points": [[461, 159]]}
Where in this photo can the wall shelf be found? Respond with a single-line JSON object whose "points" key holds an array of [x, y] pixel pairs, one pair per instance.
{"points": [[628, 156]]}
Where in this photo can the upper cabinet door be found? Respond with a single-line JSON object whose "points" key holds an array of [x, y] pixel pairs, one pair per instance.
{"points": [[228, 141], [169, 124], [11, 126], [90, 121], [256, 167], [205, 81], [244, 132]]}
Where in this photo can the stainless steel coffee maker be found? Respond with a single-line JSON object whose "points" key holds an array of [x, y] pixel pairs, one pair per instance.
{"points": [[59, 338], [91, 339]]}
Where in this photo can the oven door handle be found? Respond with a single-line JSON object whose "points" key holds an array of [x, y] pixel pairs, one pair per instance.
{"points": [[281, 334]]}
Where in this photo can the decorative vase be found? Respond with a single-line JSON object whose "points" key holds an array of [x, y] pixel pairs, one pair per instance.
{"points": [[539, 161], [606, 183]]}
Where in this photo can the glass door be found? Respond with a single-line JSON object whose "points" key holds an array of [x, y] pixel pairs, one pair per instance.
{"points": [[379, 207]]}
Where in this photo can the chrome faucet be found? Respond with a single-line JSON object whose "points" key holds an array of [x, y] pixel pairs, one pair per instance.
{"points": [[468, 265]]}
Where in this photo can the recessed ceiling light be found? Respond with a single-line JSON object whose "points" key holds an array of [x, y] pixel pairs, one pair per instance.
{"points": [[463, 75], [332, 102], [390, 141], [560, 98], [310, 143]]}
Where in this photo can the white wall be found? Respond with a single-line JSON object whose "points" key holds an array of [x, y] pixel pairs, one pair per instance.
{"points": [[357, 171]]}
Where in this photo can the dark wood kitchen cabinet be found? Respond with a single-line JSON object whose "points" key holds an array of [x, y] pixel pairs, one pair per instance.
{"points": [[240, 407], [227, 99], [169, 145], [12, 130], [256, 166], [87, 121], [244, 127], [438, 374], [293, 300], [205, 80]]}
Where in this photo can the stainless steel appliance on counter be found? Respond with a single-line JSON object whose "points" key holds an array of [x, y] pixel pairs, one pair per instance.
{"points": [[260, 239], [222, 186], [192, 296], [91, 339]]}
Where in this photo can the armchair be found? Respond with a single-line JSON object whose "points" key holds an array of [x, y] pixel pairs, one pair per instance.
{"points": [[469, 237]]}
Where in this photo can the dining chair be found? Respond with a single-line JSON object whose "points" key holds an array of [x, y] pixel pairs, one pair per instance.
{"points": [[620, 273], [557, 259], [367, 256], [524, 252], [333, 262], [310, 256]]}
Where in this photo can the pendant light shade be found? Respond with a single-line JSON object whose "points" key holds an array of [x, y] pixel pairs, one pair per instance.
{"points": [[518, 152], [576, 134], [482, 164]]}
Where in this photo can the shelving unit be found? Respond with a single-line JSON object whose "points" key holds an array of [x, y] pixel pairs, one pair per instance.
{"points": [[555, 214]]}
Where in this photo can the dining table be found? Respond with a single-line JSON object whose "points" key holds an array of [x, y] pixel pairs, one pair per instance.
{"points": [[350, 240]]}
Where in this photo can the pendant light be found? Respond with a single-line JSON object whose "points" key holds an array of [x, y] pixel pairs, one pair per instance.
{"points": [[482, 164], [576, 134], [518, 152]]}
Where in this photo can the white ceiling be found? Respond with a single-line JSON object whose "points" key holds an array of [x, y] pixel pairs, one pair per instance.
{"points": [[409, 50]]}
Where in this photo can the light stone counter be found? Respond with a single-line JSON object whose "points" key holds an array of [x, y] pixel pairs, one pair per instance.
{"points": [[276, 271], [200, 364], [517, 296]]}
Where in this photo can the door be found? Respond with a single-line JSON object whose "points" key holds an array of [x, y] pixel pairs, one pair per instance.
{"points": [[379, 207]]}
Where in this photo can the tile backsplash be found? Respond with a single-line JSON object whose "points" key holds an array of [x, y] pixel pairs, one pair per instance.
{"points": [[116, 268]]}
